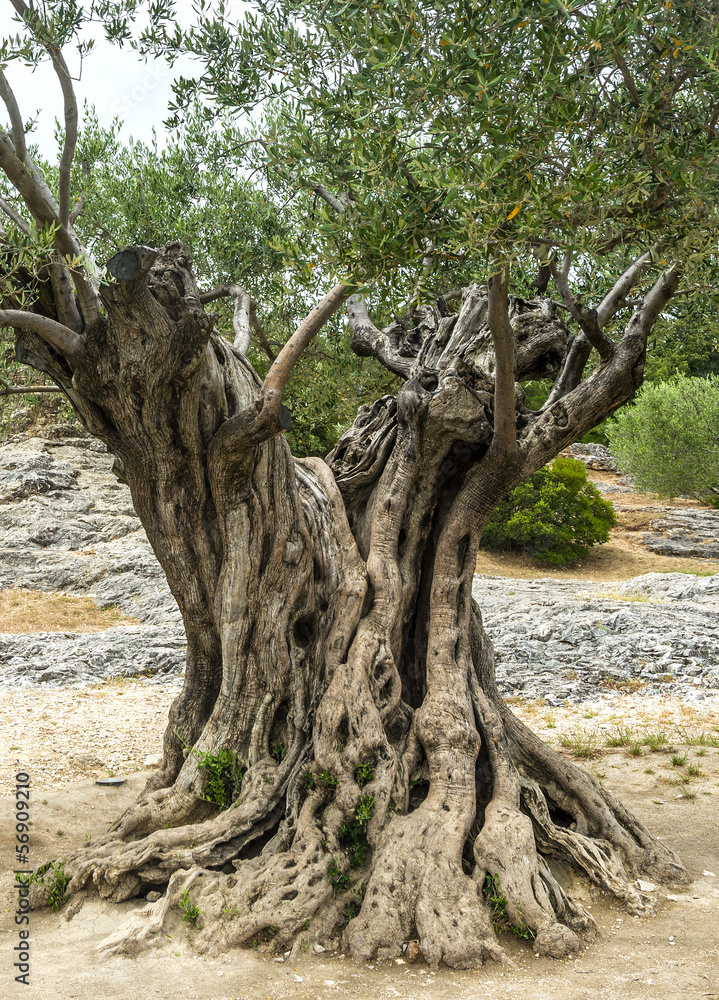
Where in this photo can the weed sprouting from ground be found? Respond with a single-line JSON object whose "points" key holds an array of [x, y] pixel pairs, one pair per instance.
{"points": [[190, 912], [56, 894]]}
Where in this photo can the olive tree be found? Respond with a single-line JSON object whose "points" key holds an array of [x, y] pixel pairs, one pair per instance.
{"points": [[520, 190]]}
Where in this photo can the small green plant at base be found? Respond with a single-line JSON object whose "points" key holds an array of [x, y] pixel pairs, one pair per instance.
{"points": [[328, 779], [694, 770], [498, 905], [679, 761], [190, 912], [701, 752], [364, 774], [340, 882], [310, 780], [700, 739], [355, 833], [355, 904], [635, 750], [690, 795], [55, 897], [224, 772], [278, 751]]}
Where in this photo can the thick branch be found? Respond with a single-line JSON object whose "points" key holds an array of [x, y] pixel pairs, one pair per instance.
{"points": [[64, 340], [588, 319], [16, 122], [70, 105], [368, 341], [241, 318], [505, 349], [614, 299]]}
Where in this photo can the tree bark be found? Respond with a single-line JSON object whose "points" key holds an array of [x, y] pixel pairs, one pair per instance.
{"points": [[335, 653]]}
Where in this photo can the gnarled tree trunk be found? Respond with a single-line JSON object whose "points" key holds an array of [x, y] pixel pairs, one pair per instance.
{"points": [[335, 652]]}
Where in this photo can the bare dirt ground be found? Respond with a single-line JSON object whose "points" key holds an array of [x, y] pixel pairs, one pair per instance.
{"points": [[673, 955], [65, 738]]}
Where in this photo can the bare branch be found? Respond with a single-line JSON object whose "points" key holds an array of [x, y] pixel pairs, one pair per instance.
{"points": [[628, 78], [241, 318], [69, 101], [587, 318], [368, 341], [80, 204], [7, 208], [257, 327], [16, 122], [64, 340], [223, 291], [572, 369], [655, 300], [613, 300], [6, 389], [326, 195], [505, 348], [285, 361]]}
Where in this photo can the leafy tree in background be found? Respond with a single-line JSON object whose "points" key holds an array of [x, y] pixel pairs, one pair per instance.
{"points": [[669, 439], [515, 192], [554, 517]]}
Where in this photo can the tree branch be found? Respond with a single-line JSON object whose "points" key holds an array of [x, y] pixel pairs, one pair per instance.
{"points": [[241, 318], [587, 318], [628, 78], [16, 122], [6, 389], [223, 291], [69, 101], [368, 341], [7, 208], [505, 422], [268, 417], [63, 339], [613, 300]]}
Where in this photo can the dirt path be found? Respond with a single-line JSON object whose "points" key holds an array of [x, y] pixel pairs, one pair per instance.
{"points": [[675, 954]]}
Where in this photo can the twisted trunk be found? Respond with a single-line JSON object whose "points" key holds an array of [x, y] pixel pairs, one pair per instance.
{"points": [[334, 650]]}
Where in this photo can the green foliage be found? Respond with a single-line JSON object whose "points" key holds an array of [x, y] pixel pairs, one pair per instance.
{"points": [[355, 903], [364, 773], [190, 912], [498, 905], [223, 776], [278, 751], [354, 834], [340, 882], [55, 896], [328, 779], [554, 516], [669, 439]]}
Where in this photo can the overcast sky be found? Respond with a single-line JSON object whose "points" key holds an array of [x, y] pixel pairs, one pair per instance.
{"points": [[115, 80]]}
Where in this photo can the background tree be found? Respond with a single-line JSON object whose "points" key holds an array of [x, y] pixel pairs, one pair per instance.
{"points": [[339, 687]]}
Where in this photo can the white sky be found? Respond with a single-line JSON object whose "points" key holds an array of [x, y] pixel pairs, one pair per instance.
{"points": [[115, 80]]}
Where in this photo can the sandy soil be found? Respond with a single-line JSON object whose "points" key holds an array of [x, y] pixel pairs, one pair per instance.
{"points": [[674, 954]]}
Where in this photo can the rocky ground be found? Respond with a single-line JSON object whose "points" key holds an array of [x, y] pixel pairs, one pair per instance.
{"points": [[66, 524]]}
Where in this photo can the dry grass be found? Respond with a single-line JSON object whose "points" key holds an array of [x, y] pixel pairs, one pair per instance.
{"points": [[619, 559], [36, 611]]}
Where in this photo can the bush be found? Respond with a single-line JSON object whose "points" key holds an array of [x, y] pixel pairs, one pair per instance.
{"points": [[669, 439], [554, 516]]}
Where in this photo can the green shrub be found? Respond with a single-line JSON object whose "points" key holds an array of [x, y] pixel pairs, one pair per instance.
{"points": [[554, 516], [669, 439]]}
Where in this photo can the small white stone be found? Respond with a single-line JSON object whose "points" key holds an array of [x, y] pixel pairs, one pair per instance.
{"points": [[674, 899], [645, 886], [710, 874], [278, 958], [399, 961], [298, 979], [318, 949]]}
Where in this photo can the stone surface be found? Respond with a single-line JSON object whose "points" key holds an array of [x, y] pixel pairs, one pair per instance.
{"points": [[66, 524], [573, 639], [593, 456], [686, 531]]}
